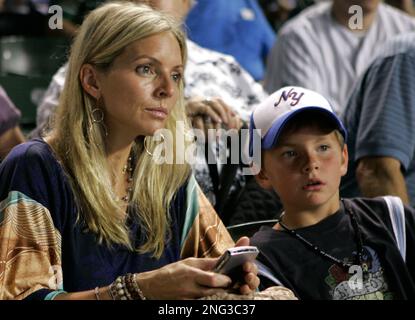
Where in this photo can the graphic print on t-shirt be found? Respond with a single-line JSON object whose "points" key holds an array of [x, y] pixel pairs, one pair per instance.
{"points": [[366, 282]]}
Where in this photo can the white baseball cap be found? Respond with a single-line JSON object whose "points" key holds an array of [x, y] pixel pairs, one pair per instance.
{"points": [[272, 115]]}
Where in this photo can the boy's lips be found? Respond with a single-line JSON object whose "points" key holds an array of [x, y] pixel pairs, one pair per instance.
{"points": [[314, 185]]}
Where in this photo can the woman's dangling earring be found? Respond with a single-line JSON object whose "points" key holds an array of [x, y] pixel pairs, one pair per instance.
{"points": [[98, 118], [145, 144], [145, 147]]}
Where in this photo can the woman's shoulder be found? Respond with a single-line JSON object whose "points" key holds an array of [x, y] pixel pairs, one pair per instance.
{"points": [[32, 169], [36, 150], [31, 175], [32, 158]]}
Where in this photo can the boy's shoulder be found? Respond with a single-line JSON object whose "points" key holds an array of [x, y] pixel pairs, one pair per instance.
{"points": [[372, 206], [367, 208], [376, 211], [365, 204], [264, 235]]}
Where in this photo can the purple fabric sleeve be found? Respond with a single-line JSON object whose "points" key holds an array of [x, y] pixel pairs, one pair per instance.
{"points": [[9, 114]]}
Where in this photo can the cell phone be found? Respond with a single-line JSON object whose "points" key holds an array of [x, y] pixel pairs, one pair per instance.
{"points": [[230, 263]]}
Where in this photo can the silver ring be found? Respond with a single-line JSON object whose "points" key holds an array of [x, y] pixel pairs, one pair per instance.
{"points": [[207, 101], [207, 119]]}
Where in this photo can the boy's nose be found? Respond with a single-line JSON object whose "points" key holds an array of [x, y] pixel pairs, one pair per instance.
{"points": [[310, 165]]}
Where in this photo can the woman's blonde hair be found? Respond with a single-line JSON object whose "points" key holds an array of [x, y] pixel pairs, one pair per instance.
{"points": [[80, 145]]}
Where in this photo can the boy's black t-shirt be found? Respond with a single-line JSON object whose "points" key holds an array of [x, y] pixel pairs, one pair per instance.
{"points": [[311, 276]]}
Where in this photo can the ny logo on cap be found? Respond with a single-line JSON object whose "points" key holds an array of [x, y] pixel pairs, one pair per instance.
{"points": [[294, 96]]}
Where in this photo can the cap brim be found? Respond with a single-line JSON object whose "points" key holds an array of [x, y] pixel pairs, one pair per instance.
{"points": [[271, 137]]}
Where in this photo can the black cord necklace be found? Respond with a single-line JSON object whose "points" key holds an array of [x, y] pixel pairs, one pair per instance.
{"points": [[316, 249]]}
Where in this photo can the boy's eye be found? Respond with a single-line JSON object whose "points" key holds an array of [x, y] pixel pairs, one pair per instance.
{"points": [[324, 147], [289, 154], [145, 70]]}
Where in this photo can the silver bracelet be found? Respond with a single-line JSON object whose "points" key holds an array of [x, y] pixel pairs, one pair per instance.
{"points": [[110, 293], [96, 291]]}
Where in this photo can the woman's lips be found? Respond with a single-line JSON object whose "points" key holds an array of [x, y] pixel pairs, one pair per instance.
{"points": [[159, 113]]}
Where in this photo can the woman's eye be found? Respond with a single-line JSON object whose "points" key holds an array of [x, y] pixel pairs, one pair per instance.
{"points": [[177, 77], [145, 70], [324, 147]]}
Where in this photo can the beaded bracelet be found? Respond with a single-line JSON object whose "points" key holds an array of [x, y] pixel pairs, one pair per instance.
{"points": [[124, 288], [130, 286], [127, 291], [138, 289], [110, 293], [117, 289], [133, 287]]}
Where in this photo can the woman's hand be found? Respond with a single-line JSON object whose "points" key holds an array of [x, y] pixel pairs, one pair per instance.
{"points": [[191, 278], [212, 114], [250, 269]]}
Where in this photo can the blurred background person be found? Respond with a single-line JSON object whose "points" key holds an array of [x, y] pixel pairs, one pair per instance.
{"points": [[238, 28], [24, 17], [10, 133], [323, 49], [404, 5], [380, 119], [280, 11]]}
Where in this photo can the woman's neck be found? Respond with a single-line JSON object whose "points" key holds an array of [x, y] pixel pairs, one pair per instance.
{"points": [[117, 160], [118, 150], [120, 166]]}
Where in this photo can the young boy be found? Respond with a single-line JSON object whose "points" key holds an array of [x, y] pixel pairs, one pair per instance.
{"points": [[324, 247]]}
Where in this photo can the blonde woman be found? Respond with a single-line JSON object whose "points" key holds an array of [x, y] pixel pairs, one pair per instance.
{"points": [[86, 213]]}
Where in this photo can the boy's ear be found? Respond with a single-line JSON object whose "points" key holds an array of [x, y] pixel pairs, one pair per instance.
{"points": [[345, 160], [89, 81], [263, 180]]}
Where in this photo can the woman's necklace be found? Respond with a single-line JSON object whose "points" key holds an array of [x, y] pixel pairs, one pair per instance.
{"points": [[317, 250], [128, 169]]}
